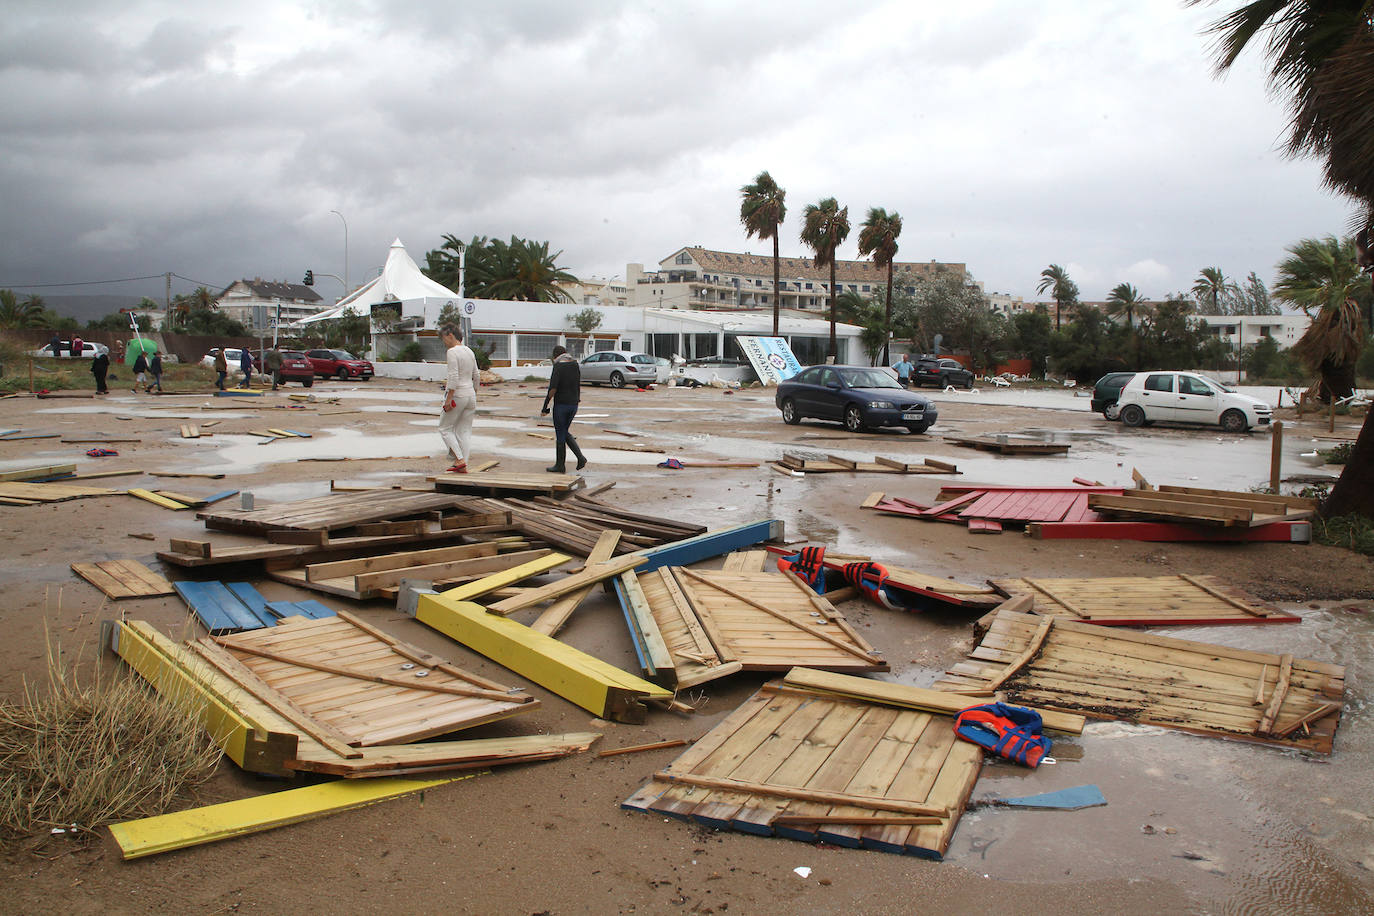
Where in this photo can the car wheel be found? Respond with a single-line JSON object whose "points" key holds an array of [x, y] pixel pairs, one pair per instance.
{"points": [[789, 412], [308, 382], [617, 380], [854, 419], [343, 373], [968, 383], [1233, 421], [918, 428], [1132, 415]]}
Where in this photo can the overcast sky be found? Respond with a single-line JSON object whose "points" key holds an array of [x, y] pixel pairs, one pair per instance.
{"points": [[214, 139]]}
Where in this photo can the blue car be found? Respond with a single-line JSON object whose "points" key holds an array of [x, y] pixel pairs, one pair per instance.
{"points": [[860, 397]]}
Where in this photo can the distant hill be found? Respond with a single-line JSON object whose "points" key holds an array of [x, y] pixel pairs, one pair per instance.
{"points": [[87, 308]]}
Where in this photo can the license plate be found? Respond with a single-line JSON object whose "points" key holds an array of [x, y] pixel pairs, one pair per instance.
{"points": [[913, 416]]}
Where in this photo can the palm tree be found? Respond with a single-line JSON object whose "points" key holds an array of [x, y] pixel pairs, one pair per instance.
{"points": [[1063, 291], [1323, 279], [1124, 299], [441, 264], [825, 226], [526, 272], [16, 314], [762, 208], [1209, 287], [878, 238]]}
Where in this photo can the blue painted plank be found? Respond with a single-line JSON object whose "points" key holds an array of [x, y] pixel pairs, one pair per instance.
{"points": [[254, 601], [312, 609], [224, 494], [636, 637], [710, 544], [216, 607], [296, 432]]}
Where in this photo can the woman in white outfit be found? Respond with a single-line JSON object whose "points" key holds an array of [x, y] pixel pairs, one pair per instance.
{"points": [[460, 398]]}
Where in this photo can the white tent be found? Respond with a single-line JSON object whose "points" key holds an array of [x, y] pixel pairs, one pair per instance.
{"points": [[400, 281]]}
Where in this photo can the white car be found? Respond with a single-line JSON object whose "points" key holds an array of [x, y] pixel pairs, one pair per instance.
{"points": [[88, 350], [1185, 397], [615, 368], [232, 356]]}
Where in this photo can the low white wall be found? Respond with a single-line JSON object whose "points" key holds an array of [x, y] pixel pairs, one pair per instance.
{"points": [[437, 372]]}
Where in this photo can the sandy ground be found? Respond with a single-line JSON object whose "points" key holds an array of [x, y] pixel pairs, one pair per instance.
{"points": [[1232, 827]]}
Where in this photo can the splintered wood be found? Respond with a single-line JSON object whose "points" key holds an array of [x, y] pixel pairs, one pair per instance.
{"points": [[1138, 601], [360, 685], [692, 626], [1192, 686], [816, 767]]}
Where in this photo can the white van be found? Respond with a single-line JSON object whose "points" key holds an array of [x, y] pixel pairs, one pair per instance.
{"points": [[1185, 397]]}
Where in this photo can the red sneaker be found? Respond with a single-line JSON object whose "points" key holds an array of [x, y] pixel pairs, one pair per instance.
{"points": [[459, 468]]}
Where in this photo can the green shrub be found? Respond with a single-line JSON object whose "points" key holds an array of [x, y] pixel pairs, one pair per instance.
{"points": [[410, 353], [1353, 532]]}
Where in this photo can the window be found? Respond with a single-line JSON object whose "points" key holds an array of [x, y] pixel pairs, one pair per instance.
{"points": [[535, 346], [829, 376], [642, 359], [1188, 384], [625, 345], [810, 376], [866, 287], [1159, 383], [602, 344], [661, 344], [497, 346], [683, 258]]}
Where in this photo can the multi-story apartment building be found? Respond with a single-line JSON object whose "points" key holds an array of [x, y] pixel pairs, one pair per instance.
{"points": [[700, 278], [256, 303]]}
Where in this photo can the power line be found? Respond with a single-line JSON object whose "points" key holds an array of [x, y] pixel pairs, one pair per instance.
{"points": [[196, 282], [83, 283]]}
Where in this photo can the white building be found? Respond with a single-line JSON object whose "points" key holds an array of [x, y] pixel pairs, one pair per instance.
{"points": [[1248, 330], [258, 303]]}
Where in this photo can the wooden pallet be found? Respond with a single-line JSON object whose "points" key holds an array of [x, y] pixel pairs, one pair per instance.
{"points": [[815, 767], [690, 626], [379, 575], [1142, 601], [879, 465], [494, 482], [1009, 445], [332, 512], [1203, 507], [120, 579], [1154, 680], [358, 685]]}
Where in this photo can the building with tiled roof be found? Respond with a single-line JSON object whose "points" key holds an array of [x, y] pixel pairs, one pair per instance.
{"points": [[701, 278], [255, 302]]}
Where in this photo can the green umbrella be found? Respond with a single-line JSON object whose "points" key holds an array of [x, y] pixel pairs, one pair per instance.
{"points": [[139, 345]]}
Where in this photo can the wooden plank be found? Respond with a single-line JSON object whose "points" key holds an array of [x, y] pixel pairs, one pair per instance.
{"points": [[369, 582], [212, 823], [156, 500], [506, 577], [218, 609], [1271, 711], [801, 793], [45, 472], [596, 686], [589, 576], [552, 619], [436, 756]]}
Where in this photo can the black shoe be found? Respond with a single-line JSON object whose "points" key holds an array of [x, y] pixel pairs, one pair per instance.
{"points": [[581, 463], [557, 469]]}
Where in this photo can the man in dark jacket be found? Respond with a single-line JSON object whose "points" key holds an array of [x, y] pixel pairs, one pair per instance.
{"points": [[140, 371], [271, 366], [246, 366], [99, 367], [565, 389]]}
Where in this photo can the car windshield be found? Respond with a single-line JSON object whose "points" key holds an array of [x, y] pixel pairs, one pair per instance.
{"points": [[868, 378]]}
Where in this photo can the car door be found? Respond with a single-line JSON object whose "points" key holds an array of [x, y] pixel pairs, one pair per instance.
{"points": [[803, 387], [1158, 396], [830, 395], [1197, 401], [594, 368]]}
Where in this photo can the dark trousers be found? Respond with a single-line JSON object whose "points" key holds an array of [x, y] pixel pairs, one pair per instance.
{"points": [[100, 382], [220, 381], [562, 436]]}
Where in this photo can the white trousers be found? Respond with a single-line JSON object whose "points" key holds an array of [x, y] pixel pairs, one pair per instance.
{"points": [[455, 426]]}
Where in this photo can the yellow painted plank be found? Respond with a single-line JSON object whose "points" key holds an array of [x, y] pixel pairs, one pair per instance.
{"points": [[155, 499], [166, 832], [470, 590], [589, 682]]}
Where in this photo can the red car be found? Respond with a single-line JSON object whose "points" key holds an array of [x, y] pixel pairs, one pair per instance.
{"points": [[339, 363], [295, 367]]}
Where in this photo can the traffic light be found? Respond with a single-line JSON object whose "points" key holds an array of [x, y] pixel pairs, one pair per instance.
{"points": [[309, 278]]}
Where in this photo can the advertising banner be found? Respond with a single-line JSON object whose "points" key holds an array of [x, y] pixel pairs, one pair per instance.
{"points": [[771, 358]]}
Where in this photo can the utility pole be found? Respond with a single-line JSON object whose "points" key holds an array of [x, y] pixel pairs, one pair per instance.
{"points": [[168, 277]]}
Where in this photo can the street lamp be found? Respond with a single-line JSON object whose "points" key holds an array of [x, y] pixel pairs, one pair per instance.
{"points": [[345, 224]]}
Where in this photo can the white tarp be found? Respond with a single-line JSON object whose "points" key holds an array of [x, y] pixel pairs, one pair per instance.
{"points": [[400, 280]]}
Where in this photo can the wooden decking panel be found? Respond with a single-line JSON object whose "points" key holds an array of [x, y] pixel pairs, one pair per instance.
{"points": [[1145, 600], [1192, 686], [793, 753], [335, 511], [123, 579]]}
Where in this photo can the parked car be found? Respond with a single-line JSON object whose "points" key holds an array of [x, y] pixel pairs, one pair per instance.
{"points": [[232, 356], [88, 350], [1184, 397], [615, 368], [295, 367], [940, 372], [1107, 390], [339, 363], [860, 397]]}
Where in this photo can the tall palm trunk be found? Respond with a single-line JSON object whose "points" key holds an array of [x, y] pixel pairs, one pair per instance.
{"points": [[887, 320], [834, 356], [777, 292]]}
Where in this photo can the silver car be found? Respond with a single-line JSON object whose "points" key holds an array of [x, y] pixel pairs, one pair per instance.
{"points": [[616, 368]]}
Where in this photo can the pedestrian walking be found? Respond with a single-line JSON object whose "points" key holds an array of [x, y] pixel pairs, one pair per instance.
{"points": [[221, 367], [271, 366], [155, 367], [100, 366], [140, 372], [460, 398], [246, 366], [565, 390], [55, 344]]}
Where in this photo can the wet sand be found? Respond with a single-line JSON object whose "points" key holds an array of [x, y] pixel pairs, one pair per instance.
{"points": [[1192, 824]]}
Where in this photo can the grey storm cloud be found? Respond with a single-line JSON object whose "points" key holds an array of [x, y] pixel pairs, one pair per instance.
{"points": [[214, 140]]}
